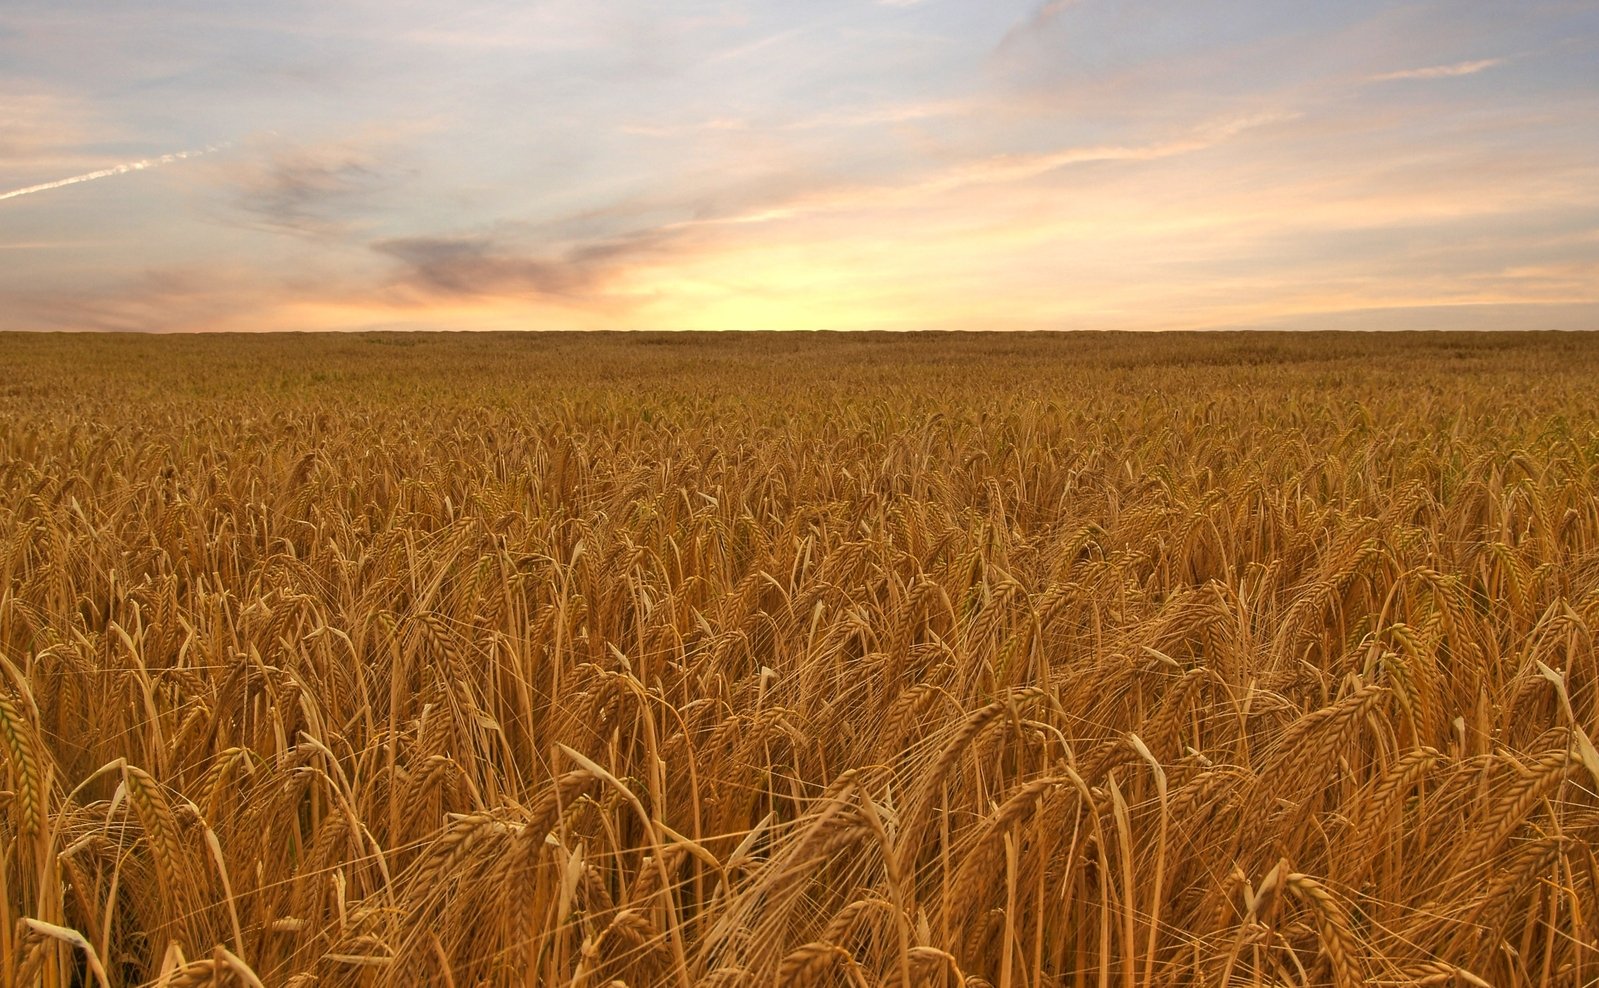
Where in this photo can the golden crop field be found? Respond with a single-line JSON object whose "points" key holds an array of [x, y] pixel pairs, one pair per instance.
{"points": [[1022, 661]]}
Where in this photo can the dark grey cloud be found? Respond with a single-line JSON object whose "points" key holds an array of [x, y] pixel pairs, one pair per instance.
{"points": [[487, 265], [1041, 17], [310, 191]]}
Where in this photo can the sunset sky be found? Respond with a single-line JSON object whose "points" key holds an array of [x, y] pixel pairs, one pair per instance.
{"points": [[754, 164]]}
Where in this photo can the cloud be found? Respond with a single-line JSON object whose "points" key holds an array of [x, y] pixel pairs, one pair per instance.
{"points": [[1039, 19], [226, 297], [886, 114], [483, 265], [1485, 315], [172, 299], [304, 191], [54, 244], [683, 130], [993, 170], [1015, 168], [42, 129], [1442, 71]]}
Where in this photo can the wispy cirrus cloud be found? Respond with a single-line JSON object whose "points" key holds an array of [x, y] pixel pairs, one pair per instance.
{"points": [[1016, 168], [1449, 71], [990, 170]]}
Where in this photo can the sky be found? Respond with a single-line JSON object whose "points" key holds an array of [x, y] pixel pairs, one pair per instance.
{"points": [[192, 165]]}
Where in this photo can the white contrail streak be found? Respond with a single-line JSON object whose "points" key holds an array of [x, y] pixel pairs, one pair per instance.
{"points": [[122, 169]]}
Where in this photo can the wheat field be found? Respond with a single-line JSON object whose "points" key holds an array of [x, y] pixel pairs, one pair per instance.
{"points": [[982, 660]]}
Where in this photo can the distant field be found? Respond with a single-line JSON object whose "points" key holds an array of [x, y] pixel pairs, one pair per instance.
{"points": [[1023, 661]]}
